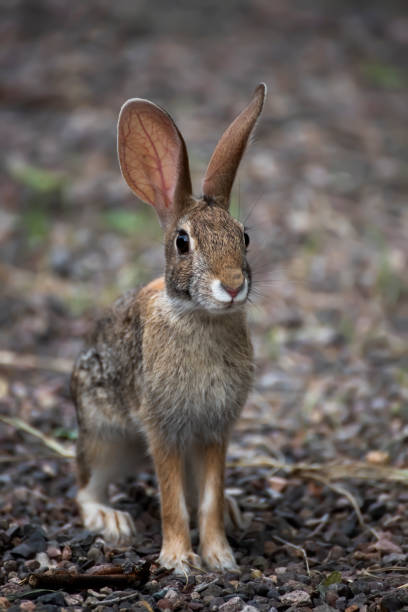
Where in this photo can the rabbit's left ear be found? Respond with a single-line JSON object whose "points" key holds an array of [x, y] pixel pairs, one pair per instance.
{"points": [[225, 160], [153, 158]]}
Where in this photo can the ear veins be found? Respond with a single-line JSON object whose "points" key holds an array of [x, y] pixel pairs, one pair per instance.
{"points": [[165, 189], [123, 145]]}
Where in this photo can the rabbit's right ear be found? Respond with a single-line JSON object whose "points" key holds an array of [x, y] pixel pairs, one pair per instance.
{"points": [[153, 158]]}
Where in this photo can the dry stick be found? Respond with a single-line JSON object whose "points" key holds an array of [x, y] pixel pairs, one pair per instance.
{"points": [[296, 547], [204, 585], [24, 362], [58, 448], [116, 600], [393, 568], [333, 471], [10, 459], [67, 581], [146, 605], [343, 492]]}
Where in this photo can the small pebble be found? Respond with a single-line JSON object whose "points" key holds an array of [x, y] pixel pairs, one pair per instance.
{"points": [[172, 595], [27, 605], [10, 565], [32, 565], [164, 604], [233, 605], [66, 553], [43, 559], [295, 598]]}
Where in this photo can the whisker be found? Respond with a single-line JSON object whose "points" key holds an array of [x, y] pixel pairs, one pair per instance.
{"points": [[251, 210]]}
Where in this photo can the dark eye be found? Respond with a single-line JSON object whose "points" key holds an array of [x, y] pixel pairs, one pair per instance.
{"points": [[246, 239], [182, 242]]}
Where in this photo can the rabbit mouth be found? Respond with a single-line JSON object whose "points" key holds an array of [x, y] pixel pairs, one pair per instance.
{"points": [[229, 297]]}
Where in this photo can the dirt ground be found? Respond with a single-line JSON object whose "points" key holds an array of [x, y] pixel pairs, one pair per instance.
{"points": [[319, 460]]}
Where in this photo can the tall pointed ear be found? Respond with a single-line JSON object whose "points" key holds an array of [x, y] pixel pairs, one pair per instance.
{"points": [[228, 153], [153, 158]]}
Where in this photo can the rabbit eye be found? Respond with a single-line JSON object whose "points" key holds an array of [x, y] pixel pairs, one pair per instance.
{"points": [[182, 242], [246, 239]]}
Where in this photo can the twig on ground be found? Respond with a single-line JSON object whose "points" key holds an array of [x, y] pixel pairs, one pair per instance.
{"points": [[320, 523], [146, 605], [204, 585], [296, 547], [347, 470], [68, 580], [15, 459], [66, 452], [344, 493], [118, 599], [26, 361], [392, 568]]}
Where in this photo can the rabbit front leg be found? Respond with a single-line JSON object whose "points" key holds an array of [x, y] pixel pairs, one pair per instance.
{"points": [[176, 551], [215, 550]]}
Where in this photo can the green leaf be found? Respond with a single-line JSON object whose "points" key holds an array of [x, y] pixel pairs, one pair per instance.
{"points": [[38, 180], [131, 223], [384, 76], [65, 434]]}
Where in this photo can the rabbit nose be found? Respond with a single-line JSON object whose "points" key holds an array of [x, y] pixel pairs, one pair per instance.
{"points": [[232, 281], [232, 291]]}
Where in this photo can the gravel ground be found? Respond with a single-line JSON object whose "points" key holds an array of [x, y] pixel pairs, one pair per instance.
{"points": [[318, 462]]}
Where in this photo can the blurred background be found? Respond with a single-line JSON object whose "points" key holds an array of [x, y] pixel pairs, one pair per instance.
{"points": [[323, 190]]}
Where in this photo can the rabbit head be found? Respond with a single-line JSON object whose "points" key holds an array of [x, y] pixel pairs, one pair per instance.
{"points": [[206, 265]]}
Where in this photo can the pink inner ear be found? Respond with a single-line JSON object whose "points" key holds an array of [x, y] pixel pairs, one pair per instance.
{"points": [[149, 152]]}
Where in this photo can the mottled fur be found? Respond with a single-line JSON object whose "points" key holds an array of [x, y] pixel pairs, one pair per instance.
{"points": [[170, 365]]}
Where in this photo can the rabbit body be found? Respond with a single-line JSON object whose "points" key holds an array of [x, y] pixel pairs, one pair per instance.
{"points": [[168, 369]]}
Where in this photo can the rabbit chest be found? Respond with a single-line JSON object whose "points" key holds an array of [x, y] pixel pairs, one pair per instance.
{"points": [[197, 371]]}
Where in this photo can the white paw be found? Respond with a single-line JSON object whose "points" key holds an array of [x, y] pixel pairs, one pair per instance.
{"points": [[181, 562], [116, 527], [219, 556]]}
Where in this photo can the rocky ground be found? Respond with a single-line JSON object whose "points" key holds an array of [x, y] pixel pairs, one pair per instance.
{"points": [[318, 463]]}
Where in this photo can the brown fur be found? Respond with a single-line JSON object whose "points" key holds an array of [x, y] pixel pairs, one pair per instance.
{"points": [[171, 364]]}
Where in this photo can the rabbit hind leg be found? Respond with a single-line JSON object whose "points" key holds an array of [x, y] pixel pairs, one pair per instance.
{"points": [[100, 462]]}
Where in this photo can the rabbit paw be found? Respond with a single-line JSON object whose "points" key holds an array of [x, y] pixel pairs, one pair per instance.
{"points": [[181, 562], [219, 556], [116, 527]]}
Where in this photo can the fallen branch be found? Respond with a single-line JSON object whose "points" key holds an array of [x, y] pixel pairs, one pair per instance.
{"points": [[69, 581], [67, 453], [358, 470], [116, 600], [25, 361]]}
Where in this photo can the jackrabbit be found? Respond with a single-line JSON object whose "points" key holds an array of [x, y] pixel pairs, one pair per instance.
{"points": [[171, 364]]}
